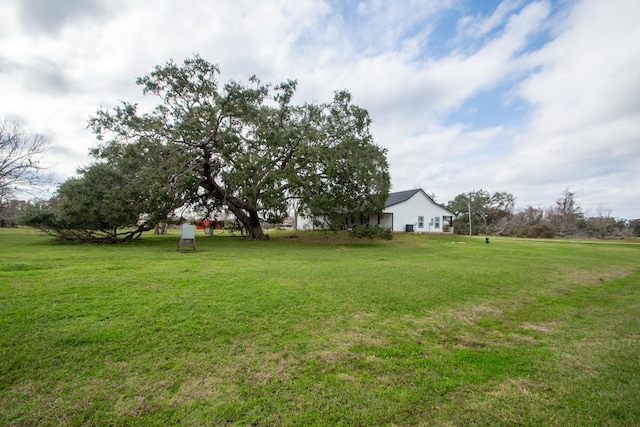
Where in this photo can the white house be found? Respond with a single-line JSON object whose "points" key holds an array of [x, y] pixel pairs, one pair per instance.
{"points": [[414, 211], [411, 211]]}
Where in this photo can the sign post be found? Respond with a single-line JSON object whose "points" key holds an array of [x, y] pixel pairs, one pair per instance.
{"points": [[187, 237]]}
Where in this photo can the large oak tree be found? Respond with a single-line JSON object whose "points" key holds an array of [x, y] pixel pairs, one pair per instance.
{"points": [[245, 147]]}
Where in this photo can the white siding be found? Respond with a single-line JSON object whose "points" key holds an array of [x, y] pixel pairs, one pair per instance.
{"points": [[407, 213], [397, 216]]}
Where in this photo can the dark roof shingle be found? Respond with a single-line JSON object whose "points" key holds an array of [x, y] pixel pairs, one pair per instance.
{"points": [[399, 197]]}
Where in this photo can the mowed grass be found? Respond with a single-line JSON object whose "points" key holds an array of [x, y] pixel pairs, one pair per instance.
{"points": [[319, 330]]}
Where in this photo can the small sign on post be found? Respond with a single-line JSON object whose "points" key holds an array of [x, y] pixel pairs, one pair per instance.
{"points": [[187, 237]]}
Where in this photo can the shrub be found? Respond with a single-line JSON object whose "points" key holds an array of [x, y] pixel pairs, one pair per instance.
{"points": [[540, 231], [371, 233]]}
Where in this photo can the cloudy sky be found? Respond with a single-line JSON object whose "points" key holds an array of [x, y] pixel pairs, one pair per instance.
{"points": [[528, 97]]}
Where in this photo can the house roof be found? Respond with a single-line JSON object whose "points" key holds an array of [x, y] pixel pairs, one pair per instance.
{"points": [[399, 197], [402, 196]]}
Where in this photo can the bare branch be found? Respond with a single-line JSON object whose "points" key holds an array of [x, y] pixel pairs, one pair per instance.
{"points": [[20, 153]]}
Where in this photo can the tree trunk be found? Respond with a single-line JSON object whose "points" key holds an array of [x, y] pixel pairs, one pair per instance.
{"points": [[250, 220], [256, 233], [254, 228]]}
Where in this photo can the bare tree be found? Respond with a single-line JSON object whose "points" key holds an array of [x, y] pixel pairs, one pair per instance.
{"points": [[20, 153], [528, 222], [565, 215]]}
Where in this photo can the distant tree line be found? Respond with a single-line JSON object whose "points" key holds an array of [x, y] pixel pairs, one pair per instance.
{"points": [[495, 214], [491, 214]]}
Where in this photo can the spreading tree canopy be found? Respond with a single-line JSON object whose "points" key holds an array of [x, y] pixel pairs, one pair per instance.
{"points": [[243, 147], [125, 192]]}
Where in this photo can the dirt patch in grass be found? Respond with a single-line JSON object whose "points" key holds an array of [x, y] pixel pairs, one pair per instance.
{"points": [[472, 314], [271, 366], [515, 401], [545, 327], [521, 389], [330, 357], [588, 277], [223, 380], [208, 388], [361, 337]]}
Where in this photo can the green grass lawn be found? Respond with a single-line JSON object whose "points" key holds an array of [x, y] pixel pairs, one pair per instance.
{"points": [[319, 330]]}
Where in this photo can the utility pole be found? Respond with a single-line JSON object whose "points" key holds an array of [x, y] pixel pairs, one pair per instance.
{"points": [[469, 201]]}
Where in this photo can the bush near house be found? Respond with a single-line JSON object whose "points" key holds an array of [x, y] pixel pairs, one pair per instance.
{"points": [[371, 233]]}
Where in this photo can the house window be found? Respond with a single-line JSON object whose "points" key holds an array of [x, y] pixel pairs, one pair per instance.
{"points": [[437, 222], [420, 222]]}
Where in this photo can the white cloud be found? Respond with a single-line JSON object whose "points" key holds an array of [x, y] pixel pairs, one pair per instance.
{"points": [[587, 72], [479, 26], [51, 17], [586, 120], [581, 88]]}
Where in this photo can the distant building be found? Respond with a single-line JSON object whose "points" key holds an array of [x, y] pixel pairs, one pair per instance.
{"points": [[409, 211]]}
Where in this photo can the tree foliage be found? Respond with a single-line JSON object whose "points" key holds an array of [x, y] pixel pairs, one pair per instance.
{"points": [[129, 189], [243, 147], [489, 211]]}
